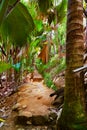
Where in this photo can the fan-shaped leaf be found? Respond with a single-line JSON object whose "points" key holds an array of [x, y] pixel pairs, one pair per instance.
{"points": [[44, 5], [11, 2], [18, 25], [3, 7]]}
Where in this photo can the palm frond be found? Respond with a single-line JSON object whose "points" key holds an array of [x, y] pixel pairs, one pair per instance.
{"points": [[3, 8], [61, 10], [44, 5], [18, 25]]}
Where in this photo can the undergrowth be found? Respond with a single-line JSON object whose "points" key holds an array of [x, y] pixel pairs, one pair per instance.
{"points": [[49, 70]]}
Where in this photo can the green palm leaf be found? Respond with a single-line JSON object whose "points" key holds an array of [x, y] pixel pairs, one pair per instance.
{"points": [[44, 5], [18, 25], [3, 7], [11, 2], [61, 10]]}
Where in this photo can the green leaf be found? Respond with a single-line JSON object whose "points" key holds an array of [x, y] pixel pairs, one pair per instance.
{"points": [[4, 66], [38, 27], [44, 5], [11, 2], [18, 25], [62, 65], [61, 9], [3, 7]]}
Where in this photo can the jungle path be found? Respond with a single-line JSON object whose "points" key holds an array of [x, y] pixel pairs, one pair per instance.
{"points": [[30, 107]]}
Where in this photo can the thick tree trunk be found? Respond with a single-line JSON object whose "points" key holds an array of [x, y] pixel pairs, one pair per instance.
{"points": [[73, 115]]}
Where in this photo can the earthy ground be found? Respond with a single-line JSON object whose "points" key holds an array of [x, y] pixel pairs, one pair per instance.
{"points": [[30, 108]]}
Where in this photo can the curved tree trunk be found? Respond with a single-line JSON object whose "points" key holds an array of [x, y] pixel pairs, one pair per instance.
{"points": [[73, 115]]}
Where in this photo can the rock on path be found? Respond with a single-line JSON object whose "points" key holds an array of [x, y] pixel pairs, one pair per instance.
{"points": [[33, 103]]}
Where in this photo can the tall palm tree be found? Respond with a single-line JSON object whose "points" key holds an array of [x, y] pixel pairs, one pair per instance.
{"points": [[73, 114]]}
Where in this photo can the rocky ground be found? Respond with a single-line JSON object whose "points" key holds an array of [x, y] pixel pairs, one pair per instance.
{"points": [[30, 108]]}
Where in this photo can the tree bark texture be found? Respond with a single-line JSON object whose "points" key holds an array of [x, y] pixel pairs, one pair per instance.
{"points": [[73, 115]]}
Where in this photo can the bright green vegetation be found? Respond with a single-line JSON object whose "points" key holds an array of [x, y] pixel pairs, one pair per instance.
{"points": [[26, 29]]}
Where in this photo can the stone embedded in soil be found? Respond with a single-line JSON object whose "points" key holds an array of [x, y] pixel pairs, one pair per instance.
{"points": [[23, 113], [33, 103]]}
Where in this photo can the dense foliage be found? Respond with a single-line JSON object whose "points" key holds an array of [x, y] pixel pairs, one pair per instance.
{"points": [[32, 36]]}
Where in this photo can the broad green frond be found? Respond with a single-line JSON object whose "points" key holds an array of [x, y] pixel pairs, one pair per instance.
{"points": [[18, 25], [44, 5], [11, 2], [3, 7], [61, 10]]}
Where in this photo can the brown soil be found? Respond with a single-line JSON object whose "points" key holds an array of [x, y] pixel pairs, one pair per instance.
{"points": [[28, 109]]}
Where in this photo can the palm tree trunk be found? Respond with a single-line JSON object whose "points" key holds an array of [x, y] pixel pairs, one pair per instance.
{"points": [[73, 115]]}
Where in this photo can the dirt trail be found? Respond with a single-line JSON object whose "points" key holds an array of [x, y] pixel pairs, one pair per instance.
{"points": [[29, 108]]}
